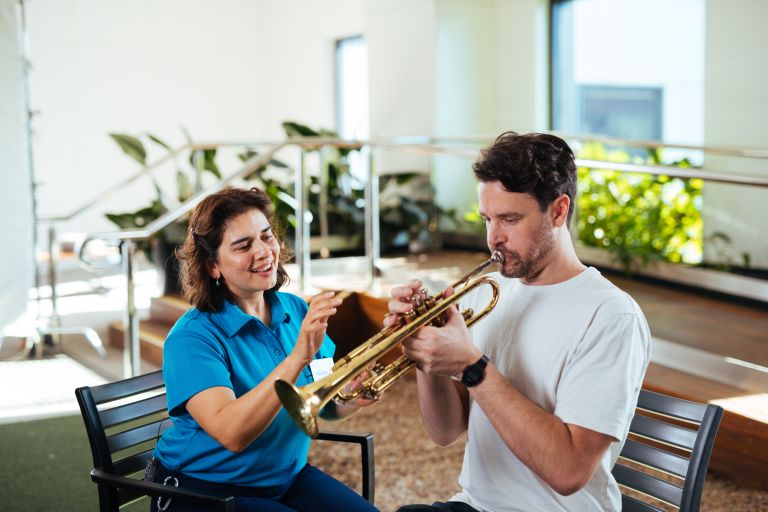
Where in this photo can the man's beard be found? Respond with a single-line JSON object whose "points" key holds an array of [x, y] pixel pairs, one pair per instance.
{"points": [[531, 265]]}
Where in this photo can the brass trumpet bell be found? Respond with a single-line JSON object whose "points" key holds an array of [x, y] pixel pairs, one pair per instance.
{"points": [[305, 403]]}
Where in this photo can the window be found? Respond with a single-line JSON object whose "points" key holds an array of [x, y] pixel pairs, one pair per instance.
{"points": [[352, 88], [616, 71], [633, 69]]}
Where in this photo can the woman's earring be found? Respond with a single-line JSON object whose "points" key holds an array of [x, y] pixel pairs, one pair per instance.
{"points": [[217, 282]]}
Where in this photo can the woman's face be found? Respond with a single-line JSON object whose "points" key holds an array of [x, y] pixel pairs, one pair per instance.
{"points": [[248, 255]]}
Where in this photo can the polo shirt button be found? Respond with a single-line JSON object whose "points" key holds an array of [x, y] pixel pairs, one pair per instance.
{"points": [[277, 352]]}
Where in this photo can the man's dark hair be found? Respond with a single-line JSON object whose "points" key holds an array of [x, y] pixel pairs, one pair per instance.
{"points": [[207, 224], [535, 163]]}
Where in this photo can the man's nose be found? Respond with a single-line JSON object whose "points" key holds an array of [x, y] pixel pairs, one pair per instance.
{"points": [[495, 235]]}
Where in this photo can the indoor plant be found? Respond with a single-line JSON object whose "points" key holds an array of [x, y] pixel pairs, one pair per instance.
{"points": [[160, 249]]}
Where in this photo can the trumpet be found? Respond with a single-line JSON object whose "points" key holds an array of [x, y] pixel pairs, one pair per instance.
{"points": [[304, 403]]}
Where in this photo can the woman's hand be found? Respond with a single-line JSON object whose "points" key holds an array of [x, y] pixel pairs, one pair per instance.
{"points": [[355, 385], [313, 328]]}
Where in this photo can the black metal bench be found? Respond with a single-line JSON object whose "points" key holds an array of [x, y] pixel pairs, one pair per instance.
{"points": [[661, 438], [124, 419]]}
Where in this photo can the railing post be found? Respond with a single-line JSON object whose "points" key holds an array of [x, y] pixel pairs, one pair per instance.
{"points": [[131, 348], [303, 219], [372, 227], [53, 275], [199, 160], [322, 210]]}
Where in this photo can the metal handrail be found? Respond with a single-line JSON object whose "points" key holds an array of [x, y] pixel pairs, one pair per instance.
{"points": [[147, 169], [128, 238], [676, 172], [432, 149], [736, 151]]}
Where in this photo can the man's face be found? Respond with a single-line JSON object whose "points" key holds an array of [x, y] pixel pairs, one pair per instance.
{"points": [[516, 226]]}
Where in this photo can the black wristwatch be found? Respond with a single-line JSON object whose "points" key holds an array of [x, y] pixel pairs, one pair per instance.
{"points": [[474, 373]]}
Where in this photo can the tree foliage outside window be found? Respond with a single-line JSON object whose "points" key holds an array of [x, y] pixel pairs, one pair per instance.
{"points": [[639, 218]]}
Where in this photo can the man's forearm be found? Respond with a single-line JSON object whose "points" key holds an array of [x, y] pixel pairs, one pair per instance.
{"points": [[541, 440], [443, 408]]}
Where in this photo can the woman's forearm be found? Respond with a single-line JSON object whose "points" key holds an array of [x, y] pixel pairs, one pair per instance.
{"points": [[235, 423]]}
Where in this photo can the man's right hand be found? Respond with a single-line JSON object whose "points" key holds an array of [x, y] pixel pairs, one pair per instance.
{"points": [[400, 303]]}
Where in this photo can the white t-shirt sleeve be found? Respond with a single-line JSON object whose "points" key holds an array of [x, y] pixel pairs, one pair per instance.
{"points": [[600, 383]]}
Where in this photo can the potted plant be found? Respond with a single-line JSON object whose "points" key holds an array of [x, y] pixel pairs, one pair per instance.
{"points": [[407, 212], [161, 248]]}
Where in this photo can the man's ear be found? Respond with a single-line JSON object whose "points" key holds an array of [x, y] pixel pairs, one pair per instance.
{"points": [[559, 208]]}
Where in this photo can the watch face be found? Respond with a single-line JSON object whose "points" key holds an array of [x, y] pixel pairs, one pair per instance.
{"points": [[471, 376], [474, 373]]}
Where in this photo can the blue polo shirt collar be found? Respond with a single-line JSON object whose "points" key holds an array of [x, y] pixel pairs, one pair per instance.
{"points": [[232, 318]]}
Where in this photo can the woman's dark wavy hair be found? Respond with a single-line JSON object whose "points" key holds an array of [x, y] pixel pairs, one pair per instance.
{"points": [[199, 252], [535, 163]]}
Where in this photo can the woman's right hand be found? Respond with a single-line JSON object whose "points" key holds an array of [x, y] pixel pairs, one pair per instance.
{"points": [[314, 325]]}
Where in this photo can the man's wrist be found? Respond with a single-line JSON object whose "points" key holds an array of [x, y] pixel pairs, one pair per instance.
{"points": [[474, 373]]}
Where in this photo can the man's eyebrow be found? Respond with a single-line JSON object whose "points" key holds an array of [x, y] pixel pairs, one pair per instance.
{"points": [[516, 215]]}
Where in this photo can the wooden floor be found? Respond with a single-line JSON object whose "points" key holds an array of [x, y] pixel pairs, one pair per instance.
{"points": [[715, 325]]}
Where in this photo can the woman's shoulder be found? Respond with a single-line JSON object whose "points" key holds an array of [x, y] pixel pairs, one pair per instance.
{"points": [[194, 323]]}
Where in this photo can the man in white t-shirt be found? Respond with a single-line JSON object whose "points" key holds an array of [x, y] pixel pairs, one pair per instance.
{"points": [[546, 385]]}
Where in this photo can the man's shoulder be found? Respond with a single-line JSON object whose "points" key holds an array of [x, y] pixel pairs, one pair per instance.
{"points": [[610, 297]]}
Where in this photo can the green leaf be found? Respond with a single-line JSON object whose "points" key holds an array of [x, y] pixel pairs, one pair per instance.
{"points": [[159, 141], [184, 186], [246, 155], [131, 146], [294, 129], [208, 161]]}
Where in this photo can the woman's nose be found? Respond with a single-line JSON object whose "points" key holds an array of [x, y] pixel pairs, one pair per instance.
{"points": [[260, 250]]}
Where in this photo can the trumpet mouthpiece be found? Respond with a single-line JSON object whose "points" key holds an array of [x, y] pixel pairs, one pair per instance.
{"points": [[497, 257]]}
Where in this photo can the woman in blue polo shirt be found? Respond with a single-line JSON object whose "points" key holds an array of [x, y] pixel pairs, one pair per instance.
{"points": [[221, 359]]}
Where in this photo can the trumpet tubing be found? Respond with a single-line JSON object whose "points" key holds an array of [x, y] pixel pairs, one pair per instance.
{"points": [[305, 403]]}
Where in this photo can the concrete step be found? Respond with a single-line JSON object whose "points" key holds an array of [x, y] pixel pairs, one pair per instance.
{"points": [[151, 338], [168, 309]]}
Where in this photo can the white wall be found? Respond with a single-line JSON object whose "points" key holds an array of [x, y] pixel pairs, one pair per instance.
{"points": [[222, 69], [234, 69], [736, 109], [491, 77], [401, 69], [16, 254]]}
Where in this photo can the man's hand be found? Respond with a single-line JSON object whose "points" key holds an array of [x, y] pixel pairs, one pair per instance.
{"points": [[400, 303], [445, 350]]}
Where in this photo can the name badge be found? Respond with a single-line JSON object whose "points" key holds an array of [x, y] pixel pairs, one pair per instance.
{"points": [[321, 367]]}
